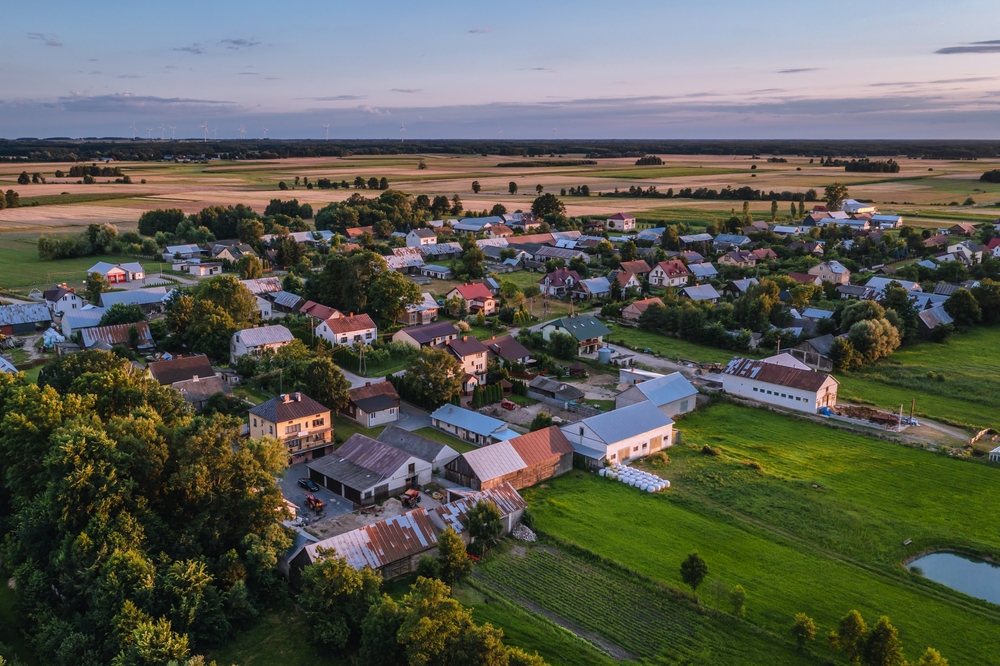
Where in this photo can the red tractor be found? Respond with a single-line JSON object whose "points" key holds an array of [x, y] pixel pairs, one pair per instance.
{"points": [[315, 503], [411, 498]]}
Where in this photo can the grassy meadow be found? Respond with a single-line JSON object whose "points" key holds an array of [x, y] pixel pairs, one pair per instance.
{"points": [[818, 529], [21, 269]]}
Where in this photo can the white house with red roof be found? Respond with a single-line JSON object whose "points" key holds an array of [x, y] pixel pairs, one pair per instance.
{"points": [[348, 330], [672, 273], [621, 222], [477, 298]]}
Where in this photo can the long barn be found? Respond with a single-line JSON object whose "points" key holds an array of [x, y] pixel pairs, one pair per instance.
{"points": [[522, 461]]}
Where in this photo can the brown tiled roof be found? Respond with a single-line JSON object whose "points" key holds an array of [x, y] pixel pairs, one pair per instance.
{"points": [[507, 348], [623, 276], [803, 278], [764, 253], [473, 291], [466, 346], [375, 397], [772, 373], [541, 445], [674, 268], [181, 369], [319, 311], [288, 407], [644, 303], [349, 324], [558, 277], [639, 266]]}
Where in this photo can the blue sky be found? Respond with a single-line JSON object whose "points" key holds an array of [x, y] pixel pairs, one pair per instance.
{"points": [[516, 70]]}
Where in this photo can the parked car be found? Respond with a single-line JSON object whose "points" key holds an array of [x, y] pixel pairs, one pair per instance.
{"points": [[508, 405], [309, 484]]}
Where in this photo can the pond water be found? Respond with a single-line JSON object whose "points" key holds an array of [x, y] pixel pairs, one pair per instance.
{"points": [[966, 574]]}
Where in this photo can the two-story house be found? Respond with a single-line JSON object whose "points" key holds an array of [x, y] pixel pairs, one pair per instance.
{"points": [[738, 258], [621, 222], [348, 330], [831, 271], [589, 332], [258, 339], [420, 314], [62, 299], [472, 355], [421, 237], [559, 282], [671, 273], [299, 422], [477, 298]]}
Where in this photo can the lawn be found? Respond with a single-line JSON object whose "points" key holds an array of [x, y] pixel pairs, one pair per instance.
{"points": [[458, 444], [254, 395], [958, 381], [22, 269], [667, 346], [819, 529], [344, 427]]}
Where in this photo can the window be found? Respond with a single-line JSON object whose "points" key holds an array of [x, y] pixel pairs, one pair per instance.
{"points": [[293, 428], [343, 340], [368, 494], [368, 335], [293, 443], [581, 431], [412, 468], [318, 422], [754, 389], [635, 448], [255, 422], [769, 393], [684, 405], [270, 429]]}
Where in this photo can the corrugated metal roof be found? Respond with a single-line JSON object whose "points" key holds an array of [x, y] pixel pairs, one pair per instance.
{"points": [[24, 313], [258, 286], [582, 327], [599, 285], [541, 445], [287, 299], [382, 543], [771, 373], [7, 366], [134, 297], [934, 317], [701, 292], [468, 420], [816, 313], [77, 319], [703, 270], [372, 454], [117, 334], [264, 335], [415, 445], [666, 389], [626, 422], [880, 283], [453, 514], [493, 461]]}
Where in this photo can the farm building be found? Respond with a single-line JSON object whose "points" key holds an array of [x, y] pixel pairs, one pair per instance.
{"points": [[471, 426], [373, 404], [634, 310], [442, 251], [366, 471], [453, 514], [621, 434], [553, 392], [598, 287], [815, 352], [77, 320], [672, 394], [255, 340], [426, 336], [201, 268], [435, 453], [23, 318], [259, 286], [285, 301], [188, 251], [703, 271], [789, 387], [931, 318], [7, 366], [588, 331], [521, 462], [150, 300], [438, 272], [701, 292], [117, 334], [303, 425], [118, 273]]}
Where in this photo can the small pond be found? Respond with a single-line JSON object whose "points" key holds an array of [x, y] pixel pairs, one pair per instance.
{"points": [[975, 578]]}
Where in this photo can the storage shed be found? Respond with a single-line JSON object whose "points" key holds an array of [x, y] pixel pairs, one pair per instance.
{"points": [[367, 471]]}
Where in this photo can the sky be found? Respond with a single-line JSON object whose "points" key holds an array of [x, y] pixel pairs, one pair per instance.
{"points": [[668, 69]]}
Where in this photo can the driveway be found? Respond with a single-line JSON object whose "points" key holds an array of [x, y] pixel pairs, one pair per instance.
{"points": [[294, 493], [412, 418]]}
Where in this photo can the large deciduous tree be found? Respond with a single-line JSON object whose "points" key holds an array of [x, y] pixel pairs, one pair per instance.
{"points": [[391, 293], [434, 375], [834, 195], [336, 598]]}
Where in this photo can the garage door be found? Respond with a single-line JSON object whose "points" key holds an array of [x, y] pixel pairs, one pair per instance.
{"points": [[381, 493]]}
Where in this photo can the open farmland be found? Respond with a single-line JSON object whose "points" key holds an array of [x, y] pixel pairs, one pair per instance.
{"points": [[819, 529]]}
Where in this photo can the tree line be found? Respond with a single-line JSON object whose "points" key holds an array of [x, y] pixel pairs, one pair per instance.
{"points": [[744, 193]]}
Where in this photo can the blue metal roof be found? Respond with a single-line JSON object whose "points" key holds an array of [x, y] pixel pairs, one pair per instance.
{"points": [[619, 424], [471, 421], [666, 389]]}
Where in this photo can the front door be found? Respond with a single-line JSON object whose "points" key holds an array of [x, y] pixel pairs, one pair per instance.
{"points": [[624, 454], [381, 493]]}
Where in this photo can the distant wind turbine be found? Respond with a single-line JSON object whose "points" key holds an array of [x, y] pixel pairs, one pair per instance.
{"points": [[172, 133], [132, 127], [242, 131], [327, 128], [149, 133], [215, 134], [402, 133], [265, 132], [161, 132], [205, 127]]}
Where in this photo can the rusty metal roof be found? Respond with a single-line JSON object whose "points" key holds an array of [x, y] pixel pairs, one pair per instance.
{"points": [[453, 514], [117, 334], [541, 445], [771, 373], [382, 543]]}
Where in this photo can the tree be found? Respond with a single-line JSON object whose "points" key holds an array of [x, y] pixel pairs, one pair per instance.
{"points": [[485, 523], [629, 251], [433, 377], [291, 284], [336, 598], [542, 420], [453, 560], [988, 296], [383, 183], [548, 204], [249, 230], [932, 657], [804, 630], [841, 354], [24, 178], [282, 185], [849, 637], [97, 284], [498, 209], [563, 345], [834, 195], [720, 590], [693, 571], [882, 646], [440, 205], [379, 630], [476, 187], [859, 311], [119, 313], [325, 382], [538, 189], [472, 261], [512, 187], [166, 221], [738, 600], [456, 205], [963, 308], [391, 293], [249, 267], [774, 210], [873, 339]]}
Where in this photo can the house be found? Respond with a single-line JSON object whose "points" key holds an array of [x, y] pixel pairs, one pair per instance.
{"points": [[831, 271], [367, 471], [878, 284], [545, 253], [689, 257], [588, 331], [430, 335], [804, 278], [793, 388], [937, 240], [118, 273], [355, 233], [500, 231], [180, 369], [522, 461], [373, 404], [701, 292], [175, 252], [962, 229], [638, 267], [704, 271], [420, 314], [261, 286], [350, 330], [150, 300], [787, 230], [931, 318], [559, 282], [755, 227], [118, 334], [672, 394], [620, 222], [855, 291], [764, 254], [470, 426], [421, 237], [477, 298], [887, 221], [230, 250], [406, 260], [61, 298], [437, 272], [76, 320], [653, 235], [303, 425], [200, 268], [993, 248], [24, 318], [554, 392], [968, 252], [815, 352], [319, 311], [471, 354], [671, 273], [435, 453], [634, 310], [855, 207], [725, 242], [591, 288], [507, 350], [807, 247], [737, 288], [257, 340], [620, 435], [738, 258], [199, 390], [625, 280]]}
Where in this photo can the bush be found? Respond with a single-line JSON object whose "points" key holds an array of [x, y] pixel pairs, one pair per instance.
{"points": [[428, 567], [710, 451]]}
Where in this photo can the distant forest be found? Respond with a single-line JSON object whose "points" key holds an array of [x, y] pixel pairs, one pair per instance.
{"points": [[87, 150]]}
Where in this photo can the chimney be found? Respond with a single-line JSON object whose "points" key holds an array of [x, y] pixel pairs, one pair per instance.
{"points": [[284, 398], [465, 338], [298, 397], [368, 383], [195, 378]]}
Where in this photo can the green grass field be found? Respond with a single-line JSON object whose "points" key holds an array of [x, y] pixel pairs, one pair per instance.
{"points": [[22, 269], [433, 433], [667, 346], [819, 530], [958, 381], [67, 198]]}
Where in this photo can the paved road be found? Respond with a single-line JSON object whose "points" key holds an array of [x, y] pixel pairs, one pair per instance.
{"points": [[289, 483]]}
